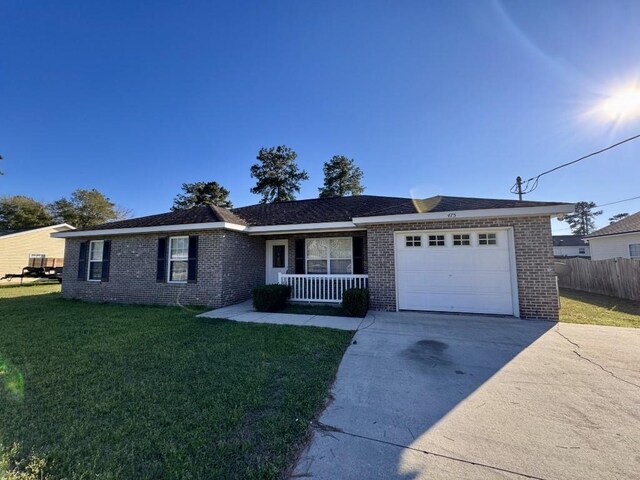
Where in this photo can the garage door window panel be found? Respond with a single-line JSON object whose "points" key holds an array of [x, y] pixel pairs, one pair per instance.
{"points": [[461, 240], [413, 241], [436, 241], [485, 239]]}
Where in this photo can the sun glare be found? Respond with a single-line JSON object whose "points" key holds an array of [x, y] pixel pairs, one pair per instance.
{"points": [[623, 105]]}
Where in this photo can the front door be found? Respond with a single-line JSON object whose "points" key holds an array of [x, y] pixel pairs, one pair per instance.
{"points": [[277, 259]]}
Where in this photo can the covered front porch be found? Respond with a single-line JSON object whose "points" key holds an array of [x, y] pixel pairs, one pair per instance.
{"points": [[318, 267]]}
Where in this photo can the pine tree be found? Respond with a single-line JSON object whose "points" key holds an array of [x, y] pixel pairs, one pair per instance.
{"points": [[341, 178], [202, 193], [277, 174]]}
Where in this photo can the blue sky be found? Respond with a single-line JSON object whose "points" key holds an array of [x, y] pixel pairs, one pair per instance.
{"points": [[454, 98]]}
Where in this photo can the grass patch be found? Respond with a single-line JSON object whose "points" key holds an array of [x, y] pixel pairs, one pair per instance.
{"points": [[92, 390], [594, 309], [308, 309]]}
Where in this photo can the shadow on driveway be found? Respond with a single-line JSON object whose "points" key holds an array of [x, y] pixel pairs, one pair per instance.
{"points": [[441, 396]]}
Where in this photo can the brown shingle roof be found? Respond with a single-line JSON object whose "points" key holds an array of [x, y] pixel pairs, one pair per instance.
{"points": [[203, 214], [318, 210], [630, 224], [343, 209]]}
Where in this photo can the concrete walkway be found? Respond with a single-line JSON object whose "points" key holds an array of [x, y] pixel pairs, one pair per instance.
{"points": [[244, 312]]}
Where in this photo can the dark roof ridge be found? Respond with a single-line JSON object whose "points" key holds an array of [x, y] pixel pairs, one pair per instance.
{"points": [[319, 198]]}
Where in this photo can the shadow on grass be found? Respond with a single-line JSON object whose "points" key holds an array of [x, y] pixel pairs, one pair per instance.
{"points": [[603, 301], [136, 391]]}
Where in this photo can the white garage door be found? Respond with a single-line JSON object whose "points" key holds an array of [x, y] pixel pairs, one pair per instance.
{"points": [[463, 271]]}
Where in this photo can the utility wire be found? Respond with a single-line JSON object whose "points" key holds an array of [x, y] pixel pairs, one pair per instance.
{"points": [[619, 201], [531, 184]]}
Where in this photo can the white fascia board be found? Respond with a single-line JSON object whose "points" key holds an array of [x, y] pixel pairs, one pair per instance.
{"points": [[598, 237], [553, 210], [156, 229], [302, 228], [60, 225]]}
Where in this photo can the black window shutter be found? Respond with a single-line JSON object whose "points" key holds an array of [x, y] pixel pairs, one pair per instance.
{"points": [[106, 259], [358, 255], [192, 265], [82, 261], [161, 271], [300, 255]]}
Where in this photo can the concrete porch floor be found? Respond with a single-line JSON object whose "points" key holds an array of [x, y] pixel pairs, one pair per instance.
{"points": [[244, 312]]}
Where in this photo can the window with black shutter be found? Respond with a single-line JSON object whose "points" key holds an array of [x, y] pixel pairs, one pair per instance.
{"points": [[192, 263], [300, 256], [106, 260], [161, 267], [82, 261], [358, 255]]}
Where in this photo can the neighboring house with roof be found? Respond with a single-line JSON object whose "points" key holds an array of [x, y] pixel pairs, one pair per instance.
{"points": [[17, 247], [446, 254], [620, 239], [570, 246]]}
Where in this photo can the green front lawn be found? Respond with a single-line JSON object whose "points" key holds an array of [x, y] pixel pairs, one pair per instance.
{"points": [[591, 308], [114, 391]]}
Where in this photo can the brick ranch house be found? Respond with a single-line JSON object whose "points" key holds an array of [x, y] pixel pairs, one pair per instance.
{"points": [[446, 254]]}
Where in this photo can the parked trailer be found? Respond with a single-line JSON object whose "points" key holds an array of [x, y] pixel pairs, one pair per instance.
{"points": [[46, 268]]}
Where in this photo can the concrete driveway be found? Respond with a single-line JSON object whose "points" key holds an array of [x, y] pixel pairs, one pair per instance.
{"points": [[438, 396]]}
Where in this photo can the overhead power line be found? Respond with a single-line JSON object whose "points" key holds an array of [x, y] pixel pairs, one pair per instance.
{"points": [[522, 187], [619, 201]]}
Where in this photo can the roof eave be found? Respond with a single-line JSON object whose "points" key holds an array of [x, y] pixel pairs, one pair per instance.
{"points": [[632, 232], [24, 232], [551, 210], [154, 229]]}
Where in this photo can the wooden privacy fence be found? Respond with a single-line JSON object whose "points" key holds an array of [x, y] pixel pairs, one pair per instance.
{"points": [[617, 277]]}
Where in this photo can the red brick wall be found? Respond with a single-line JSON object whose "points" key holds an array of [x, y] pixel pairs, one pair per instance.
{"points": [[230, 265], [534, 261]]}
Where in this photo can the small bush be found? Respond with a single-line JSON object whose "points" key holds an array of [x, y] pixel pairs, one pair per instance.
{"points": [[271, 298], [355, 301]]}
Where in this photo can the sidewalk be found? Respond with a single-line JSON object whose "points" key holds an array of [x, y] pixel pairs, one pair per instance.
{"points": [[244, 312]]}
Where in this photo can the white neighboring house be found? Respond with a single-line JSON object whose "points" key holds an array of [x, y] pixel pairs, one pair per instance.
{"points": [[620, 239], [570, 246]]}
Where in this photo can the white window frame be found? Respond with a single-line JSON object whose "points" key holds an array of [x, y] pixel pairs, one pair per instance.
{"points": [[495, 235], [170, 260], [582, 251], [328, 258], [631, 256], [89, 261], [410, 241], [453, 239]]}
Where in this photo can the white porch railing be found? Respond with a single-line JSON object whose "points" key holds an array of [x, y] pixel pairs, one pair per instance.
{"points": [[321, 288]]}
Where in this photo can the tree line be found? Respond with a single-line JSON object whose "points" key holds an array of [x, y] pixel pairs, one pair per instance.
{"points": [[83, 208], [278, 179]]}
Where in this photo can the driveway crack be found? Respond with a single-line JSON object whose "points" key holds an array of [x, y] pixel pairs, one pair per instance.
{"points": [[605, 370], [593, 362], [329, 428]]}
